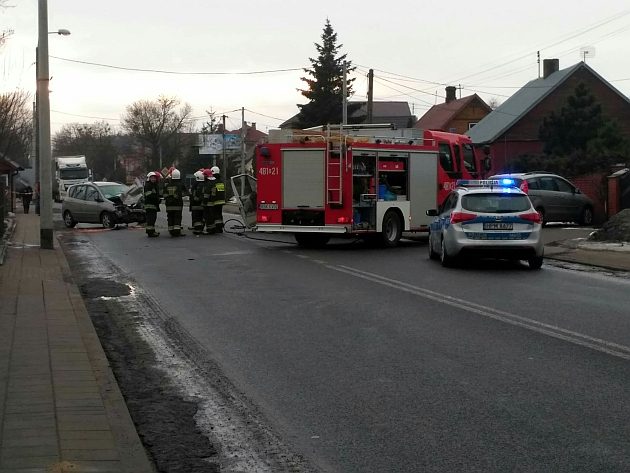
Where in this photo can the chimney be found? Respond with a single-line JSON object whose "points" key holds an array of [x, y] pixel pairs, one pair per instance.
{"points": [[550, 66], [450, 93], [253, 127]]}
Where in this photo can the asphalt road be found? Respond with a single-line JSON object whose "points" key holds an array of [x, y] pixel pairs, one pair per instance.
{"points": [[372, 360]]}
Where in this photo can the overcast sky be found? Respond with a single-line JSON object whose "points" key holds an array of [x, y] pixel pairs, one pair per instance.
{"points": [[415, 47]]}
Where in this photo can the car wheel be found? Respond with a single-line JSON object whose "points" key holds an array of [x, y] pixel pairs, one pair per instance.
{"points": [[535, 262], [392, 229], [541, 212], [586, 218], [445, 258], [432, 254], [107, 220], [68, 220]]}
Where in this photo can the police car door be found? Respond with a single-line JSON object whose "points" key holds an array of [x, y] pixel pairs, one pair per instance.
{"points": [[244, 187]]}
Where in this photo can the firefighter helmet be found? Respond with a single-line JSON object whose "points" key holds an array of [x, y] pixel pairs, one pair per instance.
{"points": [[199, 176], [175, 174], [215, 170], [207, 173], [151, 174]]}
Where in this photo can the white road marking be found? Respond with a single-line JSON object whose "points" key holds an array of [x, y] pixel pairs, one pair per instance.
{"points": [[604, 346]]}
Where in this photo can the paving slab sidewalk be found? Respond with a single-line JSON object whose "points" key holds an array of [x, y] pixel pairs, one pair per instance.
{"points": [[60, 407]]}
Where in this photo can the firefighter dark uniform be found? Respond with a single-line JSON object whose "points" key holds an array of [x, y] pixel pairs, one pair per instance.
{"points": [[151, 202], [217, 197], [173, 193], [208, 216], [196, 203]]}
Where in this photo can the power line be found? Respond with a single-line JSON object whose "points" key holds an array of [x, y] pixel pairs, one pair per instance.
{"points": [[159, 71]]}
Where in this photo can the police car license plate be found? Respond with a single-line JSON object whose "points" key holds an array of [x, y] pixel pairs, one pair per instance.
{"points": [[498, 226]]}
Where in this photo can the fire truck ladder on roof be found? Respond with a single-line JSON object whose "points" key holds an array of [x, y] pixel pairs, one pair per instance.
{"points": [[334, 169]]}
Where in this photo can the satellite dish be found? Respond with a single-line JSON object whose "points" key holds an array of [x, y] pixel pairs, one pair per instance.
{"points": [[587, 52]]}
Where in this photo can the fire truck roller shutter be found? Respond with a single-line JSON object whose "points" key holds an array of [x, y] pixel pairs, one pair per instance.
{"points": [[303, 178], [423, 184]]}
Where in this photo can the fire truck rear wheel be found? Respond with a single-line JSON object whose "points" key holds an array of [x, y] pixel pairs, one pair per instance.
{"points": [[311, 240], [392, 229]]}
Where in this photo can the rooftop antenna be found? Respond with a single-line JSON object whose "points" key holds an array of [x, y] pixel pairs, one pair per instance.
{"points": [[587, 51]]}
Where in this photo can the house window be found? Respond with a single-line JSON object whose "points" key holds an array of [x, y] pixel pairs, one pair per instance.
{"points": [[471, 124]]}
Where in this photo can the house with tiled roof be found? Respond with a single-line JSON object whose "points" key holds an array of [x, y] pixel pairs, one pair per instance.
{"points": [[512, 129], [454, 115], [397, 113]]}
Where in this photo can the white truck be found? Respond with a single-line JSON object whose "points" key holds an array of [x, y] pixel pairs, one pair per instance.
{"points": [[69, 170]]}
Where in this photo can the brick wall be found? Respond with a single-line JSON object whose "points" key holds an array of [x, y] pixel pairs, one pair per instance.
{"points": [[595, 186]]}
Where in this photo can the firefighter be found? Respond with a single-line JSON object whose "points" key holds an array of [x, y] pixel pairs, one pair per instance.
{"points": [[208, 216], [151, 202], [217, 197], [173, 193], [196, 203]]}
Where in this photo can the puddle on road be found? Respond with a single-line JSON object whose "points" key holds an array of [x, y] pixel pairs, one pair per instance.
{"points": [[105, 289]]}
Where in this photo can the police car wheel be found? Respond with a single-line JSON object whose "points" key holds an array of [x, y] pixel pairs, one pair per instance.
{"points": [[535, 262], [432, 254], [445, 258]]}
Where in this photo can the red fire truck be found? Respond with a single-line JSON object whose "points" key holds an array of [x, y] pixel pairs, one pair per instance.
{"points": [[369, 183]]}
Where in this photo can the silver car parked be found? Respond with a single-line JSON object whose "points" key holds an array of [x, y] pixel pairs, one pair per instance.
{"points": [[97, 202], [554, 197]]}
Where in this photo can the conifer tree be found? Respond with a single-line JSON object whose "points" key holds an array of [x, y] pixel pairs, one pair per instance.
{"points": [[325, 84], [580, 139]]}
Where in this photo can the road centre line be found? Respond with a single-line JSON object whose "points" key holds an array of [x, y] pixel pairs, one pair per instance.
{"points": [[611, 348]]}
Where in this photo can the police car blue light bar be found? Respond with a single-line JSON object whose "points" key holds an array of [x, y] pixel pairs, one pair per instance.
{"points": [[505, 182]]}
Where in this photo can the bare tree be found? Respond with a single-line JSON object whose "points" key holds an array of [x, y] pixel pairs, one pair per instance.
{"points": [[16, 125], [158, 123], [96, 142], [493, 103], [6, 33]]}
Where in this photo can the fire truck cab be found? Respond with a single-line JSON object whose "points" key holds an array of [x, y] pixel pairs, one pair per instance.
{"points": [[374, 184]]}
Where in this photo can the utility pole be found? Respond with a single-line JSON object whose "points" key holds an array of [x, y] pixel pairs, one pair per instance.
{"points": [[243, 136], [344, 106], [370, 97], [223, 117], [45, 152], [538, 55]]}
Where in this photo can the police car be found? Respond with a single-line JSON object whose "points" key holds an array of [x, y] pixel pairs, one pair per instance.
{"points": [[486, 218]]}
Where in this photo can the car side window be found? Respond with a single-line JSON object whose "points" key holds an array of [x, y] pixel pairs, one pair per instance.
{"points": [[548, 184], [533, 184], [563, 186], [79, 192], [91, 194]]}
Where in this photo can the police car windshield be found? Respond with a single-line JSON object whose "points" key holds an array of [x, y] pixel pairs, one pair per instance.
{"points": [[496, 203]]}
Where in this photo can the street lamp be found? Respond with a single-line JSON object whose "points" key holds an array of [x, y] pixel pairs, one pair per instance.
{"points": [[43, 114], [63, 32]]}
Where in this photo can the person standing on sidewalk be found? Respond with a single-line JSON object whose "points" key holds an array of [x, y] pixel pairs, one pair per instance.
{"points": [[196, 203], [151, 202], [217, 198], [27, 196], [173, 193]]}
